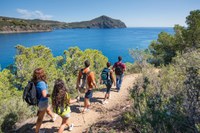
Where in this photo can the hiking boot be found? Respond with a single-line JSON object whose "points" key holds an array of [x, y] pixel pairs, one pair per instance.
{"points": [[54, 118], [71, 127], [116, 88]]}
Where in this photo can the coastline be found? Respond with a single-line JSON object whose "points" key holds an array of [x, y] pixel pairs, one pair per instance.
{"points": [[25, 31]]}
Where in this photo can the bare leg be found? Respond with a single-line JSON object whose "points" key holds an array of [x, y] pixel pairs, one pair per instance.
{"points": [[63, 124], [106, 96], [86, 104], [49, 112], [39, 120]]}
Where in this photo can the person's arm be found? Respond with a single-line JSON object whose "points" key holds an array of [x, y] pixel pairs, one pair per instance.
{"points": [[73, 100], [42, 85], [100, 80], [112, 76], [93, 80], [124, 67], [44, 93], [94, 83], [78, 80], [113, 68]]}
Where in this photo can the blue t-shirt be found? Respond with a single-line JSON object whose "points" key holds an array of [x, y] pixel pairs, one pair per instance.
{"points": [[41, 85]]}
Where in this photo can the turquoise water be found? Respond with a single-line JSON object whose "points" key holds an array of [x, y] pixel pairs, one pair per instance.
{"points": [[112, 42]]}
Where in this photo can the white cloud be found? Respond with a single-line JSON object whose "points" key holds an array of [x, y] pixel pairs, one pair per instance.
{"points": [[33, 14]]}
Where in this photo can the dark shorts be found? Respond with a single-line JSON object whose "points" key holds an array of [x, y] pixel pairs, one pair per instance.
{"points": [[88, 94], [42, 105], [108, 88]]}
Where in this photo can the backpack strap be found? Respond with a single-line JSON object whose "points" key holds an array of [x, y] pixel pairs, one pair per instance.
{"points": [[85, 73], [109, 74], [88, 73]]}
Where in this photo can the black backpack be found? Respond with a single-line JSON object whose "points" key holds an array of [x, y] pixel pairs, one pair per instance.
{"points": [[118, 70], [105, 76], [30, 94]]}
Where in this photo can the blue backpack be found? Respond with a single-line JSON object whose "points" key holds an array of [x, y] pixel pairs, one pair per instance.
{"points": [[105, 76]]}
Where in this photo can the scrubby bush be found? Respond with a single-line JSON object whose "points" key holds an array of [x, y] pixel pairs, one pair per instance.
{"points": [[140, 58], [132, 68], [168, 100]]}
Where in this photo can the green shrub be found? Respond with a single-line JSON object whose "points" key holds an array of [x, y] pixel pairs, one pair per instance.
{"points": [[168, 100], [9, 122]]}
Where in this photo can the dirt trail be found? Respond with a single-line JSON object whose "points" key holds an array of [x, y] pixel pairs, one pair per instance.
{"points": [[97, 111]]}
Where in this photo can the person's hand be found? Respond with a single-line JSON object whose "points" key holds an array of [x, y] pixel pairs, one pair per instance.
{"points": [[101, 81], [78, 98], [95, 85], [48, 95]]}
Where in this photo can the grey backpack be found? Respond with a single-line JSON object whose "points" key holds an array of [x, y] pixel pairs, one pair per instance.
{"points": [[84, 79]]}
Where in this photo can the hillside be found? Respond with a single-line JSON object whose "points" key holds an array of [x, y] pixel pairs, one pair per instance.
{"points": [[100, 22], [15, 25]]}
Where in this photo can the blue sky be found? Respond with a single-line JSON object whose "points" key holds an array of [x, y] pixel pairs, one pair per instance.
{"points": [[135, 13]]}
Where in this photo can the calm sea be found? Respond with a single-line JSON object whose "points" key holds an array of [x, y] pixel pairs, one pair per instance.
{"points": [[112, 42]]}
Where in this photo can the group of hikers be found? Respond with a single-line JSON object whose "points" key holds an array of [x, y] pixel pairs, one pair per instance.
{"points": [[61, 97]]}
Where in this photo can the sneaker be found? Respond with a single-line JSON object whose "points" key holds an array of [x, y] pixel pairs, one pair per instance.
{"points": [[41, 131], [85, 110], [80, 109], [104, 102], [55, 117], [71, 127]]}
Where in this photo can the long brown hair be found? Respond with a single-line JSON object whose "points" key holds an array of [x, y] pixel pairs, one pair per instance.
{"points": [[39, 75], [59, 95]]}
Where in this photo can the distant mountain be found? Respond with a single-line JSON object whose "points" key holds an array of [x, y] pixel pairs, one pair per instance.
{"points": [[15, 25], [100, 22]]}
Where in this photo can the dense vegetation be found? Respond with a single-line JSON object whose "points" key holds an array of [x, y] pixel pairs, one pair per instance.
{"points": [[14, 78], [168, 99]]}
